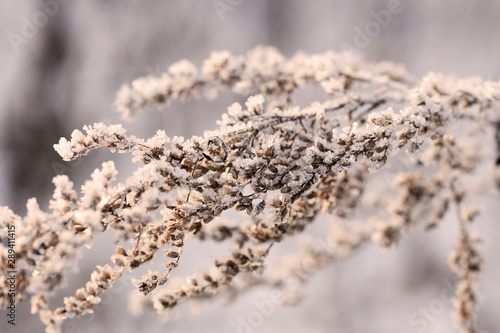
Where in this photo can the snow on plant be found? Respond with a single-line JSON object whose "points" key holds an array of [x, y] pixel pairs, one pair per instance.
{"points": [[279, 164]]}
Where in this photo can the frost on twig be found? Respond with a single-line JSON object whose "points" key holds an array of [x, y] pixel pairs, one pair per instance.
{"points": [[279, 164]]}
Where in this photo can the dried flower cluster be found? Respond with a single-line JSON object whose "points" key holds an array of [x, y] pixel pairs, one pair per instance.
{"points": [[279, 164]]}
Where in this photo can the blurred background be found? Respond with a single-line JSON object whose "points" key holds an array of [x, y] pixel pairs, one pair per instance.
{"points": [[63, 61]]}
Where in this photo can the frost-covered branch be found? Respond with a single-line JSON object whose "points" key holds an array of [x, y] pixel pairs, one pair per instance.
{"points": [[280, 164]]}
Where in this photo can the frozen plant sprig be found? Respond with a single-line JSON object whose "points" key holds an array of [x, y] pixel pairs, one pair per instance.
{"points": [[281, 165]]}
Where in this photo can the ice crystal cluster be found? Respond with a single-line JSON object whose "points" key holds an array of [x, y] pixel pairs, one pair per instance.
{"points": [[278, 164]]}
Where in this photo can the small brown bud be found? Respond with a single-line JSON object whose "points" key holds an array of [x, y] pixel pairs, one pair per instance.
{"points": [[172, 254]]}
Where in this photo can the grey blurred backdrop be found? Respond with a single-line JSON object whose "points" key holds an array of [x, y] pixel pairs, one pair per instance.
{"points": [[66, 73]]}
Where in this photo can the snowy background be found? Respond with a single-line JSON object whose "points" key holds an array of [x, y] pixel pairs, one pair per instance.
{"points": [[66, 73]]}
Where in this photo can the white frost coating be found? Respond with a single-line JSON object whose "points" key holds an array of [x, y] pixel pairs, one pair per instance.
{"points": [[64, 149]]}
